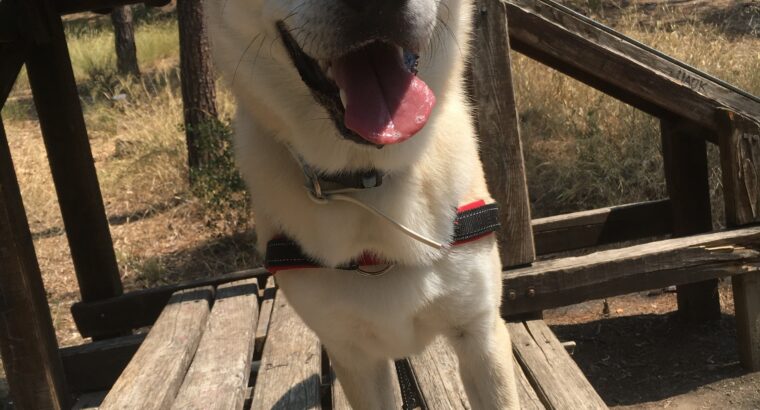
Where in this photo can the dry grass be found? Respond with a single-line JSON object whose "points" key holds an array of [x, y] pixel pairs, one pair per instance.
{"points": [[585, 149]]}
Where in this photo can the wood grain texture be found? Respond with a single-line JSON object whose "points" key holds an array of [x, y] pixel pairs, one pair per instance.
{"points": [[559, 382], [498, 128], [290, 373], [602, 226], [687, 178], [740, 159], [154, 376], [141, 308], [27, 338], [740, 162], [611, 63], [218, 377], [96, 366], [437, 372], [265, 317], [56, 99], [562, 282]]}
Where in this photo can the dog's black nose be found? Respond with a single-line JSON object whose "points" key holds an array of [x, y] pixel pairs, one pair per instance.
{"points": [[375, 6]]}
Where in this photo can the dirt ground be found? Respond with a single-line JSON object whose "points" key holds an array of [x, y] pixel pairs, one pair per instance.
{"points": [[640, 355]]}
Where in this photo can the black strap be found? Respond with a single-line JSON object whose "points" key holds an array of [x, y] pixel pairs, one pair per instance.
{"points": [[283, 252], [476, 222], [356, 180]]}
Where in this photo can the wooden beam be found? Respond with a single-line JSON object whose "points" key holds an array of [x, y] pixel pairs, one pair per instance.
{"points": [[562, 282], [602, 226], [498, 127], [27, 337], [154, 375], [96, 366], [559, 382], [687, 178], [291, 368], [740, 161], [618, 66], [11, 61], [218, 377], [63, 129], [141, 308]]}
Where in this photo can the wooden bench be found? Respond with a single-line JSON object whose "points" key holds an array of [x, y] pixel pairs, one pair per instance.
{"points": [[242, 346]]}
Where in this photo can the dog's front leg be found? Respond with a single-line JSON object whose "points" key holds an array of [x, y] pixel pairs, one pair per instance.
{"points": [[486, 363], [367, 381]]}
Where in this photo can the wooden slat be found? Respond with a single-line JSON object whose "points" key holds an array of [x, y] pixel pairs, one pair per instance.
{"points": [[498, 128], [602, 226], [437, 374], [290, 373], [64, 132], [141, 308], [265, 317], [96, 366], [740, 161], [558, 381], [218, 377], [153, 377], [528, 397], [11, 61], [27, 339], [687, 177], [562, 282], [615, 65]]}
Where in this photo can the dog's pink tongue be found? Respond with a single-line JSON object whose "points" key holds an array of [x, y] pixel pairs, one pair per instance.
{"points": [[385, 103]]}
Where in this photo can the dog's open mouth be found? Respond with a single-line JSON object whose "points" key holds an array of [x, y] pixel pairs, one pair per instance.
{"points": [[372, 93]]}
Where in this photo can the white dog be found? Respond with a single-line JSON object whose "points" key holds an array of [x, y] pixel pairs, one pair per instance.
{"points": [[360, 162]]}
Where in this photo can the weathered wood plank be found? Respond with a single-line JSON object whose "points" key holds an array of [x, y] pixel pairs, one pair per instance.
{"points": [[565, 281], [218, 377], [687, 178], [528, 397], [96, 366], [11, 61], [153, 377], [559, 382], [616, 65], [498, 128], [27, 339], [290, 373], [141, 308], [740, 161], [437, 374], [56, 99], [602, 226], [265, 317]]}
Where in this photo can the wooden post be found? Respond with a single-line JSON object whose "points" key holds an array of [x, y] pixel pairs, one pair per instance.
{"points": [[68, 148], [499, 132], [740, 160], [686, 174], [27, 338]]}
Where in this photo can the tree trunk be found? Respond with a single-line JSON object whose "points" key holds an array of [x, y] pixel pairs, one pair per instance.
{"points": [[124, 34], [198, 88]]}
